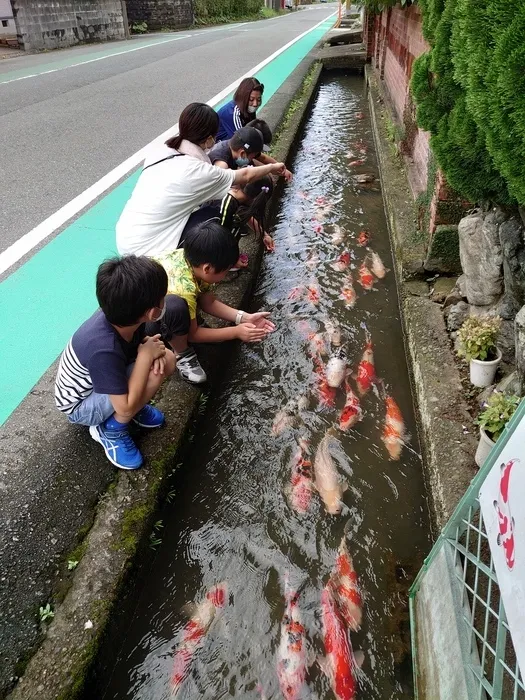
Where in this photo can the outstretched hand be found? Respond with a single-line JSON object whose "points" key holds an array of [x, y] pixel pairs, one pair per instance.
{"points": [[260, 320]]}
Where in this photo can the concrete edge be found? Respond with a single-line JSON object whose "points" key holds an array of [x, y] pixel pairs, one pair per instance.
{"points": [[123, 521], [445, 425]]}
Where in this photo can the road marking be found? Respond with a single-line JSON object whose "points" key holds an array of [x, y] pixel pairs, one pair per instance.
{"points": [[24, 245]]}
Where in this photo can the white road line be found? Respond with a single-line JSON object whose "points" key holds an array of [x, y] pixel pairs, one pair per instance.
{"points": [[30, 240]]}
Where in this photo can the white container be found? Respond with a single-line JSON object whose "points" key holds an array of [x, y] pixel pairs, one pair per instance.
{"points": [[482, 373], [484, 447]]}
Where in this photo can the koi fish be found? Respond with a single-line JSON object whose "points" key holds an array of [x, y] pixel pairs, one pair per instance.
{"points": [[505, 520], [339, 664], [366, 371], [318, 228], [305, 328], [359, 115], [363, 238], [358, 161], [325, 392], [338, 235], [284, 419], [312, 260], [352, 412], [394, 429], [335, 371], [321, 201], [344, 588], [295, 293], [327, 480], [312, 293], [194, 633], [348, 293], [292, 663], [377, 266], [318, 344], [366, 279], [301, 484], [342, 262], [320, 215], [333, 332]]}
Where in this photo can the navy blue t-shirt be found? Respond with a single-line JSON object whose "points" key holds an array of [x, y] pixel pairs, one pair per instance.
{"points": [[95, 360], [222, 151]]}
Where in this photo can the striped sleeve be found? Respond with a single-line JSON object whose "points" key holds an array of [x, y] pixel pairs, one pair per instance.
{"points": [[237, 118]]}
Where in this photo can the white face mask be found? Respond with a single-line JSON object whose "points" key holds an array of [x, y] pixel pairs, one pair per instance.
{"points": [[163, 311], [252, 110]]}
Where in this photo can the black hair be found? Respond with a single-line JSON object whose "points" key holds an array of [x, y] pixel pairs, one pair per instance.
{"points": [[247, 136], [260, 193], [263, 127], [127, 287], [241, 96], [197, 122], [212, 244]]}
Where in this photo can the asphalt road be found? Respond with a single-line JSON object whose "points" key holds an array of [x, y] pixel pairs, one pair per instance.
{"points": [[61, 131]]}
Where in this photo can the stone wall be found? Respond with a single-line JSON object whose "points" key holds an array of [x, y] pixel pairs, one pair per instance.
{"points": [[53, 24], [161, 13]]}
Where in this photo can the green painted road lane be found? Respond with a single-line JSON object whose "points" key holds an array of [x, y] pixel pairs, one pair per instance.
{"points": [[48, 297]]}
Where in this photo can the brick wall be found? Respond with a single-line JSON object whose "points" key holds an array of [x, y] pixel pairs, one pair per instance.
{"points": [[161, 13], [52, 24]]}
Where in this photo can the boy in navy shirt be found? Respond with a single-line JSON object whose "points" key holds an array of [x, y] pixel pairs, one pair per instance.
{"points": [[116, 361]]}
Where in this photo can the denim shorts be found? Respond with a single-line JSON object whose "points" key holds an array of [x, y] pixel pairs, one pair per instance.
{"points": [[95, 408]]}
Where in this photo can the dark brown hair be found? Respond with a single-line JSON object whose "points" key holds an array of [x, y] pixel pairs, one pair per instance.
{"points": [[241, 96], [197, 122]]}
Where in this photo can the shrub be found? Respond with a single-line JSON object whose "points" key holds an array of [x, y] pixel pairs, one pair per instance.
{"points": [[497, 412], [477, 337]]}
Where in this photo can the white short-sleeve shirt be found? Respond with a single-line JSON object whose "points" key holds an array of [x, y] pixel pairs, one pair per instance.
{"points": [[163, 199]]}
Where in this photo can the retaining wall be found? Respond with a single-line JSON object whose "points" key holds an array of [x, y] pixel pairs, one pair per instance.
{"points": [[161, 13], [54, 24]]}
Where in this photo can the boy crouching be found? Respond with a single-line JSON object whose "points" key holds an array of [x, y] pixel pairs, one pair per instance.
{"points": [[116, 361]]}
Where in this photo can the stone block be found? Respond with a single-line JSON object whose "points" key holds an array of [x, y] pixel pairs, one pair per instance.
{"points": [[456, 315], [519, 331], [481, 256], [443, 253], [512, 239]]}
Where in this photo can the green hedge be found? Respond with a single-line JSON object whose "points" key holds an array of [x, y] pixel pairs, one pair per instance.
{"points": [[470, 94], [217, 10]]}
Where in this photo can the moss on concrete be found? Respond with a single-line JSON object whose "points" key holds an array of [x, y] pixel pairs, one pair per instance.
{"points": [[443, 254]]}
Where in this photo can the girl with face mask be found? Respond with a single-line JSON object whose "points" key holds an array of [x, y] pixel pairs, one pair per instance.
{"points": [[177, 179], [241, 110]]}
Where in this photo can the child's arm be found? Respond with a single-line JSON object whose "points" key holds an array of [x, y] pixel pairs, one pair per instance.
{"points": [[265, 159], [267, 239], [127, 405], [253, 327]]}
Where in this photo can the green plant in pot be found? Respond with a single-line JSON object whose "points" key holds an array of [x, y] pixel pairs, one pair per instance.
{"points": [[477, 337], [496, 413]]}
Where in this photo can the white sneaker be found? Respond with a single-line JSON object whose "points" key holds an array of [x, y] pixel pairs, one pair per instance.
{"points": [[190, 368]]}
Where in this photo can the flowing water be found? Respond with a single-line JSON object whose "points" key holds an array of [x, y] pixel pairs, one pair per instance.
{"points": [[231, 520]]}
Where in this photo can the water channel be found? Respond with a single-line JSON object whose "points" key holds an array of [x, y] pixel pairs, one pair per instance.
{"points": [[231, 519]]}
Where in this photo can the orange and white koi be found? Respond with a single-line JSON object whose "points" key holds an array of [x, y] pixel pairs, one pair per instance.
{"points": [[348, 293], [366, 371], [366, 279], [345, 589], [312, 294], [301, 483], [342, 262], [318, 344], [339, 664], [194, 632], [394, 429], [377, 266], [352, 412], [292, 661], [327, 480], [505, 520], [325, 393], [335, 371], [338, 235], [363, 238]]}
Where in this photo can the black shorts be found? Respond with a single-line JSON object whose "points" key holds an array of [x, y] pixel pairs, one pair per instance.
{"points": [[176, 320]]}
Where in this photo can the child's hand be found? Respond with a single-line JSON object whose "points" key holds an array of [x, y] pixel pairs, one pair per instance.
{"points": [[268, 243], [288, 176], [159, 365], [260, 320], [153, 346], [249, 333], [278, 169]]}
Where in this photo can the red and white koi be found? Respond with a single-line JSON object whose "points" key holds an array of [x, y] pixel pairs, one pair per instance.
{"points": [[318, 228], [292, 661], [344, 587], [339, 664], [327, 480], [318, 344], [342, 262], [363, 238], [348, 294], [505, 520], [312, 293], [377, 266], [366, 279], [325, 393], [296, 293], [394, 429], [335, 371], [366, 371], [301, 483], [352, 412], [194, 632]]}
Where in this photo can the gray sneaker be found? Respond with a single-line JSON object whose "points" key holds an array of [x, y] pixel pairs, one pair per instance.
{"points": [[189, 367]]}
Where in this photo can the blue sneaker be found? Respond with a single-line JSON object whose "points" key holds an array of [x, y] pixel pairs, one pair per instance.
{"points": [[118, 446], [149, 417]]}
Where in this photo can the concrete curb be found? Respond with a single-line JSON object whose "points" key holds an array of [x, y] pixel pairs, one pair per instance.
{"points": [[125, 512], [446, 428]]}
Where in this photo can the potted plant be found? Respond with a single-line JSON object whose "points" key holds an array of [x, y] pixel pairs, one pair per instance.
{"points": [[477, 337], [496, 413]]}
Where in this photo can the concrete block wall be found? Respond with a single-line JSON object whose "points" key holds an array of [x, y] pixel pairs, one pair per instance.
{"points": [[161, 13], [53, 24]]}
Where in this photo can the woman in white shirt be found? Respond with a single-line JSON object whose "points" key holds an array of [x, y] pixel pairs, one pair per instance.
{"points": [[175, 182]]}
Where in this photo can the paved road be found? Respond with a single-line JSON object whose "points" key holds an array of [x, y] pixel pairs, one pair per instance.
{"points": [[61, 131]]}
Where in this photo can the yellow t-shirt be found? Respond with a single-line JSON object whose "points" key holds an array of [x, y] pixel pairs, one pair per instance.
{"points": [[181, 280]]}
